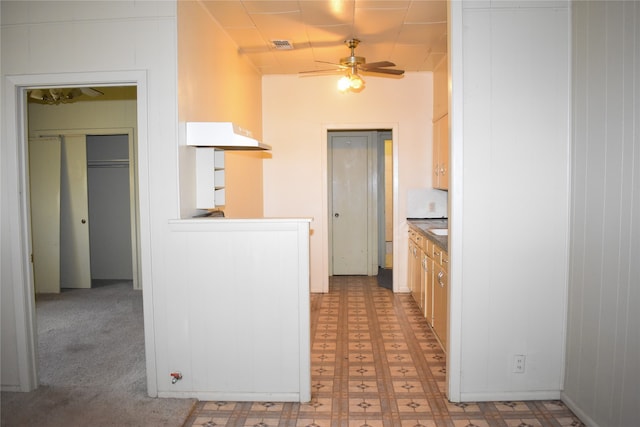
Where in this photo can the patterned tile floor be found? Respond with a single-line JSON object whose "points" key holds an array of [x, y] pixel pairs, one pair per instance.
{"points": [[376, 363]]}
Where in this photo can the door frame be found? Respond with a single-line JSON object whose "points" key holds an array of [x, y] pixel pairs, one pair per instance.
{"points": [[133, 194], [19, 235], [325, 129]]}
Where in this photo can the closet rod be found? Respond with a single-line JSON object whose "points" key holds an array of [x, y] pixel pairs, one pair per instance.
{"points": [[114, 163]]}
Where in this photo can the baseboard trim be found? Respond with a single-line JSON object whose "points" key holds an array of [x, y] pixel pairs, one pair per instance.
{"points": [[236, 396], [510, 396], [576, 409]]}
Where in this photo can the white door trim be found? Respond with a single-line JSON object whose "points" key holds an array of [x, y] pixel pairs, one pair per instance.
{"points": [[324, 219], [20, 233], [456, 190]]}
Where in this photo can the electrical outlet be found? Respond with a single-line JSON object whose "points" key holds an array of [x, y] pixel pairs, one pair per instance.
{"points": [[518, 363], [432, 206]]}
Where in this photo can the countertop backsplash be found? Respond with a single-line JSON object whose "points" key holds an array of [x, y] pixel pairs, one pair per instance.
{"points": [[426, 203]]}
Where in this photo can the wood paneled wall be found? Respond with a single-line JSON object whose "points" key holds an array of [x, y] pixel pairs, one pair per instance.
{"points": [[602, 379]]}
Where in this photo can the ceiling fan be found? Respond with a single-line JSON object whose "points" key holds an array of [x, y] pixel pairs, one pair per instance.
{"points": [[353, 65], [62, 95]]}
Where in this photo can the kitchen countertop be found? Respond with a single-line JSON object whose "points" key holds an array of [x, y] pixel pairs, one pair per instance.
{"points": [[423, 226]]}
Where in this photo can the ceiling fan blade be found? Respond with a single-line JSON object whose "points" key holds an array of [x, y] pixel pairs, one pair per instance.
{"points": [[74, 93], [377, 65], [36, 94], [331, 70], [384, 71], [89, 91], [332, 63]]}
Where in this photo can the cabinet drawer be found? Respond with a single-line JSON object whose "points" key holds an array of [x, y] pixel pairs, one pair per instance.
{"points": [[427, 246], [412, 234], [419, 240], [436, 254]]}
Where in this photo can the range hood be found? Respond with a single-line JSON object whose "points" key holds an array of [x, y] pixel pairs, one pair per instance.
{"points": [[222, 135]]}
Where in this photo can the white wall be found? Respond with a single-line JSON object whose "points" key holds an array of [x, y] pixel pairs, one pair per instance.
{"points": [[216, 84], [58, 41], [602, 383], [510, 219], [295, 126]]}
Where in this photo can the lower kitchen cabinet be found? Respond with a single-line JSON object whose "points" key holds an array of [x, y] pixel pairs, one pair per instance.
{"points": [[416, 284], [428, 282], [440, 294], [440, 304], [428, 286]]}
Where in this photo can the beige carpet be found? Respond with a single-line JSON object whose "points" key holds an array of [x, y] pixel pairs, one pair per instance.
{"points": [[92, 365]]}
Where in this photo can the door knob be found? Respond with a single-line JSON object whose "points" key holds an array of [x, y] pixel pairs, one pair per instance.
{"points": [[84, 221], [336, 215]]}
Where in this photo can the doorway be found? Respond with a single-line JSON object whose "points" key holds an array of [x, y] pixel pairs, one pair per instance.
{"points": [[97, 191], [360, 202], [18, 236]]}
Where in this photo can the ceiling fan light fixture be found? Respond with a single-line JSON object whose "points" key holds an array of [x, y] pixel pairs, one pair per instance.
{"points": [[352, 82], [356, 82], [344, 83], [55, 96]]}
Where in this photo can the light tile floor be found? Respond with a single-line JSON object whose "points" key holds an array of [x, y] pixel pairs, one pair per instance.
{"points": [[376, 363]]}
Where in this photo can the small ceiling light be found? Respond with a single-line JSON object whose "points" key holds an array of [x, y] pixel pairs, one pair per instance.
{"points": [[344, 83], [352, 81], [356, 82]]}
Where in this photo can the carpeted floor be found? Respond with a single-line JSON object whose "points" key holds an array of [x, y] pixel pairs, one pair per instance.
{"points": [[92, 365]]}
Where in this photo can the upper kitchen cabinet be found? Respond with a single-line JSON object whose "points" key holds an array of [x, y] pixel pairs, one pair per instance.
{"points": [[441, 125], [440, 89], [441, 153]]}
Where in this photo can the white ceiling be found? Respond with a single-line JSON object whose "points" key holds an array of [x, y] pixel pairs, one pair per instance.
{"points": [[410, 33]]}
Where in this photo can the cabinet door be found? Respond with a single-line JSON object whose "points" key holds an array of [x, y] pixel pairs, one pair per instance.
{"points": [[440, 89], [441, 153], [440, 304], [415, 272], [410, 262], [426, 280]]}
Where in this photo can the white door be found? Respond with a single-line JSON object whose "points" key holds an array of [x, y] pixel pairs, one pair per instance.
{"points": [[75, 267], [349, 203], [44, 189]]}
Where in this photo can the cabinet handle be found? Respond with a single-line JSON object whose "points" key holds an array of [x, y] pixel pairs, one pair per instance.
{"points": [[440, 275], [445, 261]]}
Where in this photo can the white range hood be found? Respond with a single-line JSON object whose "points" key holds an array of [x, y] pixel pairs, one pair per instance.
{"points": [[222, 135]]}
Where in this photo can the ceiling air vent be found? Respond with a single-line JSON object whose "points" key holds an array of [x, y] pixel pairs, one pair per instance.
{"points": [[281, 44]]}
